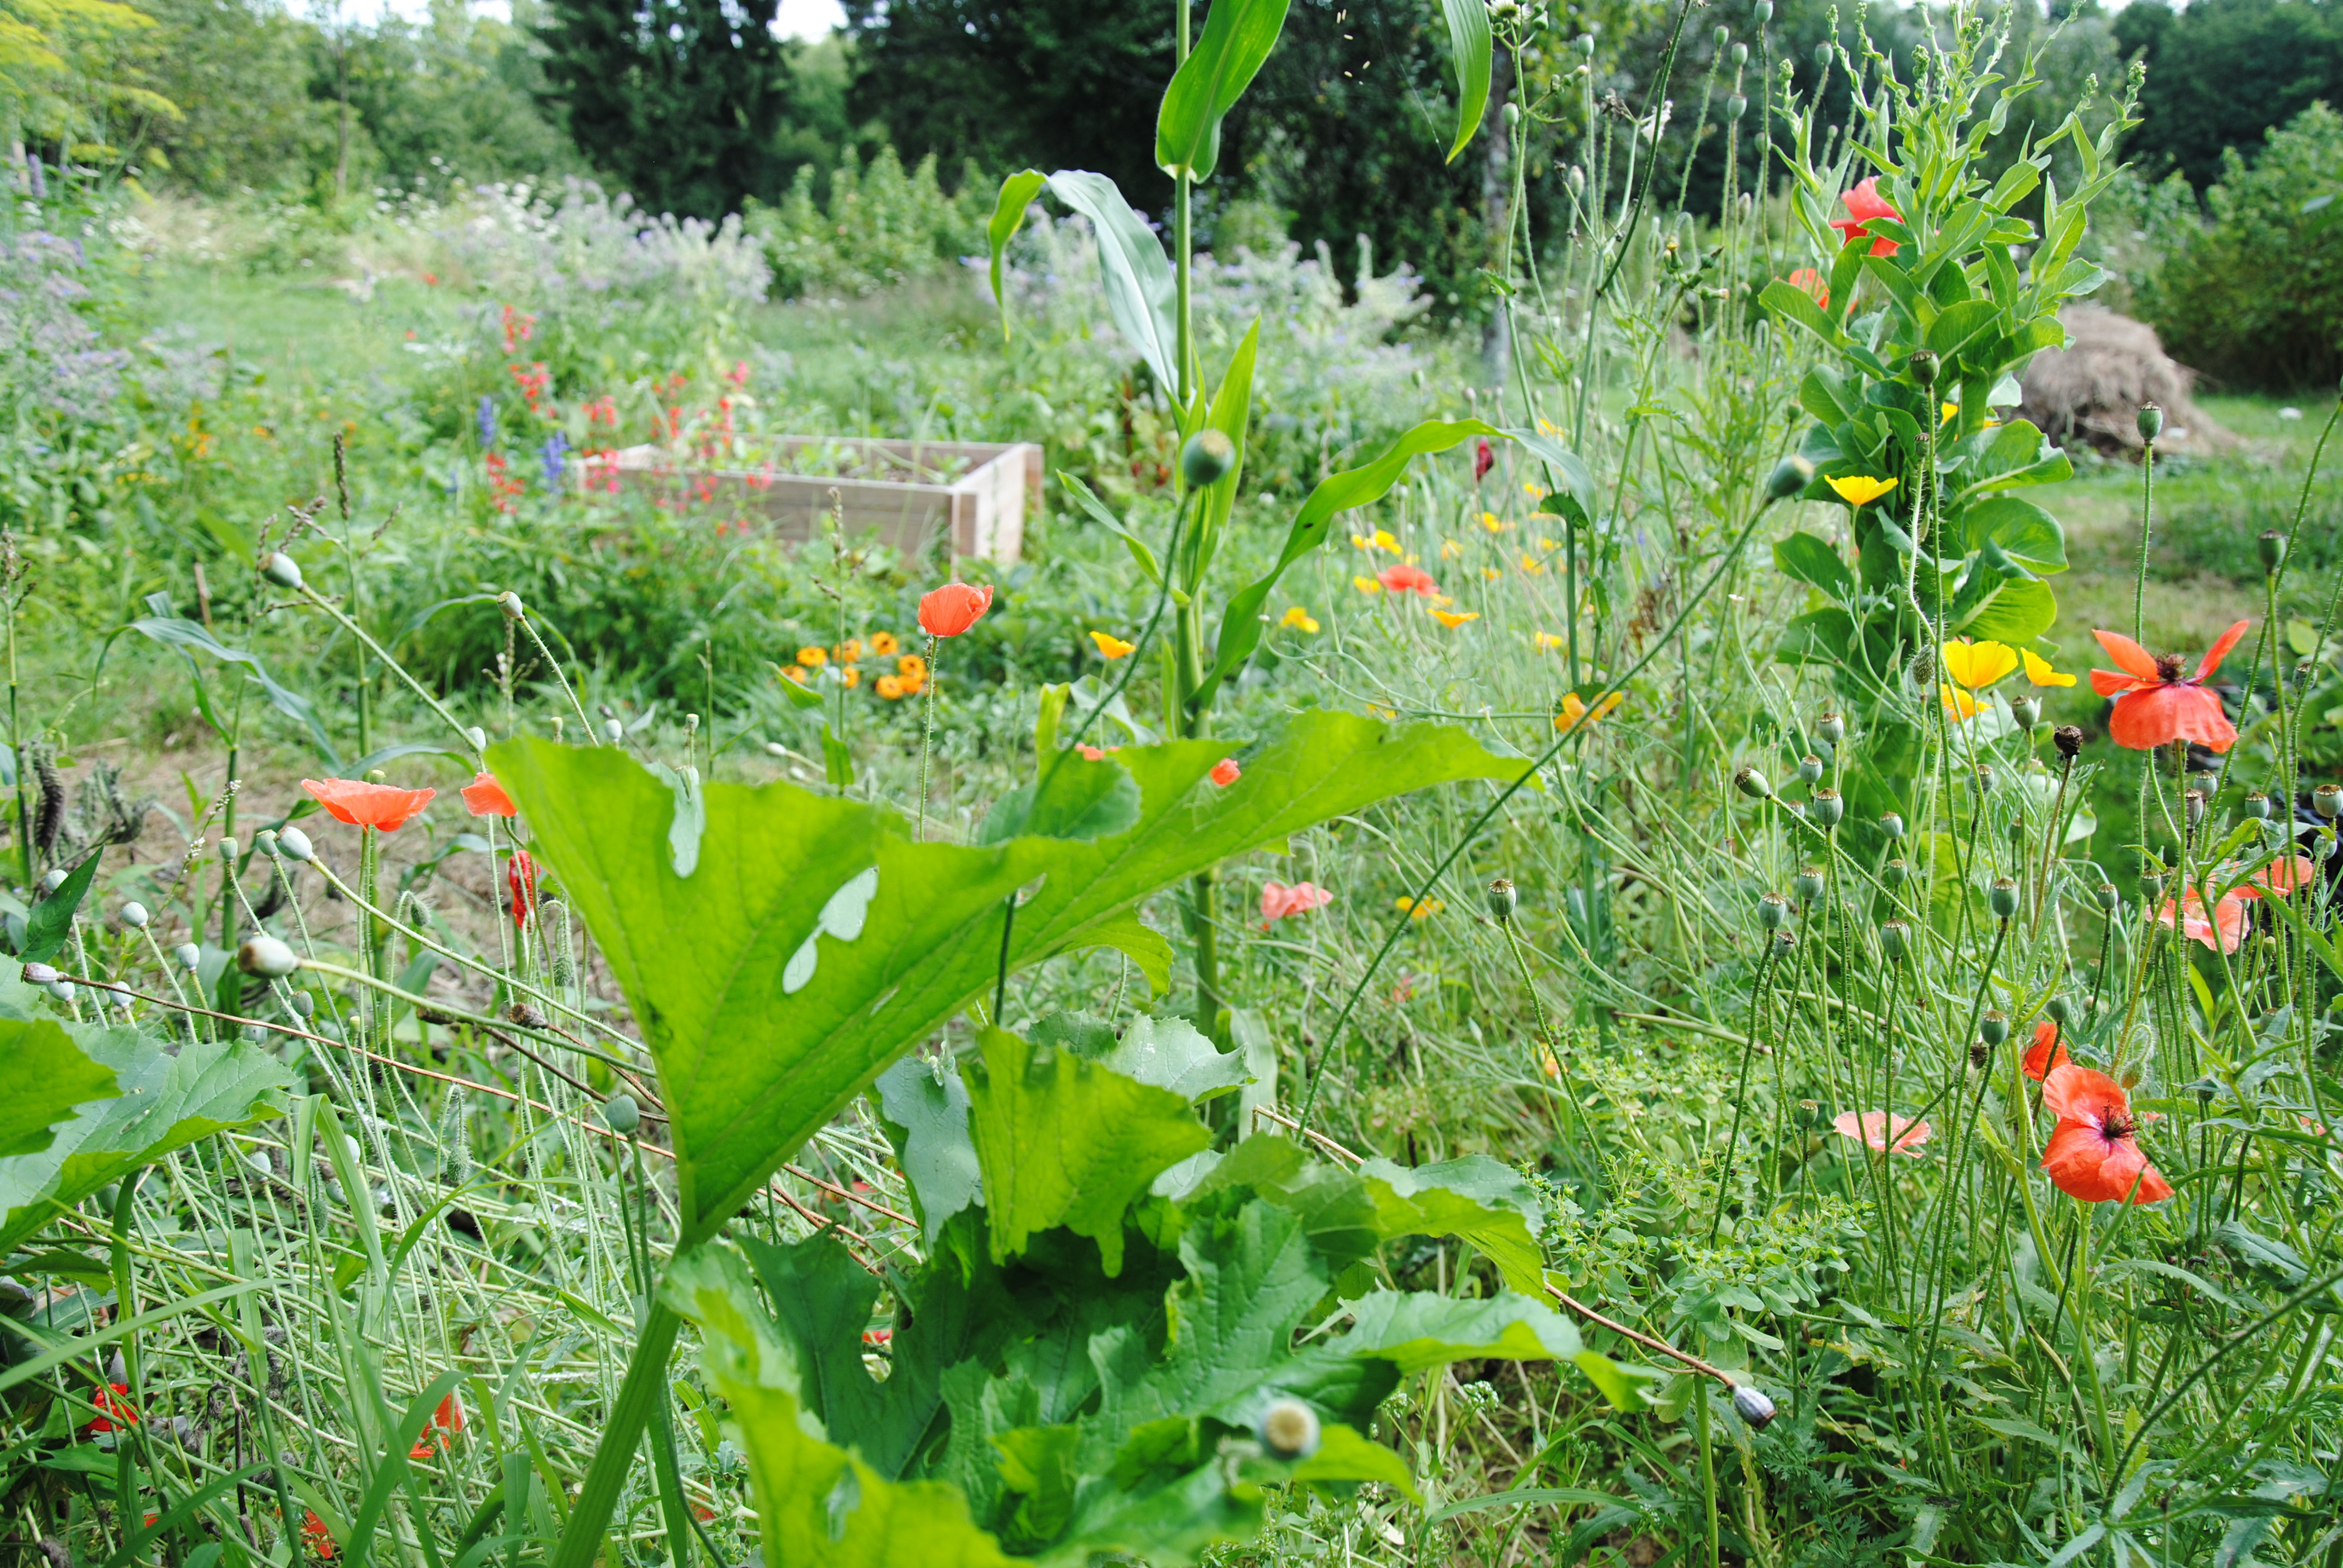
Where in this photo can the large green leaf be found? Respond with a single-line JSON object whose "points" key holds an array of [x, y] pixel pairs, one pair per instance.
{"points": [[2024, 532], [1017, 194], [1471, 48], [1475, 1198], [1416, 1331], [1238, 37], [46, 1077], [191, 638], [1140, 288], [1066, 1141], [814, 943], [937, 1156], [51, 921]]}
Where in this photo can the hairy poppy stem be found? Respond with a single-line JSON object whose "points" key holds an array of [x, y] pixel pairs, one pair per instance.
{"points": [[1741, 1095]]}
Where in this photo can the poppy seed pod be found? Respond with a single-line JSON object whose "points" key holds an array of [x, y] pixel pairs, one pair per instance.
{"points": [[1772, 911], [1753, 784], [294, 843], [2327, 800], [1740, 54], [1502, 900], [1289, 1429], [265, 956], [229, 850], [1823, 55], [1735, 106], [613, 731], [1825, 808], [1895, 940], [303, 1004], [1922, 366], [621, 1114], [1830, 728], [2068, 740], [266, 842], [2257, 806], [1790, 476], [2001, 899], [477, 737], [1983, 778], [134, 916], [1994, 1027], [189, 956], [40, 974], [1512, 116], [1753, 1407], [1891, 825], [2271, 546], [1809, 770], [1724, 35], [1807, 884], [1206, 458], [1896, 872], [2107, 897], [283, 570], [1584, 42], [2194, 802], [510, 602], [2152, 884], [2322, 845], [2059, 1009], [2151, 421], [2027, 711]]}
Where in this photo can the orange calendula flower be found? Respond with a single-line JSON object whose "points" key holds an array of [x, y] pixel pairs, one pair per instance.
{"points": [[1110, 646], [1861, 489], [796, 672], [484, 797], [913, 667], [1298, 619], [1452, 619], [1574, 710], [850, 677], [849, 651], [2155, 704], [813, 657], [1873, 1129], [884, 645], [380, 807], [2094, 1152], [889, 687]]}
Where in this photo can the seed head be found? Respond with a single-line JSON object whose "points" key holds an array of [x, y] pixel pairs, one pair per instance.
{"points": [[1830, 728], [2068, 740], [2195, 802], [1924, 368], [2001, 899], [510, 602], [1994, 1027], [2107, 897], [1895, 940], [621, 1114], [613, 731], [1983, 778], [2271, 546], [1753, 784], [1289, 1429], [1792, 474], [2151, 422], [1807, 884], [1896, 873], [2257, 806], [1809, 770], [1825, 808], [2027, 711], [1502, 900], [2059, 1009], [1736, 105], [1206, 458], [2327, 800], [303, 1004], [134, 916], [189, 956], [1762, 11], [294, 843], [1772, 911]]}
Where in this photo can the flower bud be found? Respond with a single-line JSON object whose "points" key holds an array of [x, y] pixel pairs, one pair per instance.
{"points": [[1825, 808], [1512, 116], [2152, 884], [189, 956], [303, 1004], [1895, 940], [1577, 180], [1891, 825], [1753, 784], [1735, 106], [2151, 422], [2027, 711], [1762, 11], [613, 731], [510, 602], [1994, 1027], [1922, 366], [282, 569], [40, 974], [1809, 770], [63, 990], [1740, 54], [134, 916], [1896, 872], [1289, 1429], [2108, 899], [2327, 800], [1749, 1404], [1584, 42], [1723, 35], [51, 880], [265, 956], [1792, 474], [2194, 802], [1502, 900], [2068, 739], [1206, 458], [2271, 546], [1830, 728], [2322, 845], [621, 1114], [1772, 911], [477, 737], [295, 844], [2001, 899], [2257, 806]]}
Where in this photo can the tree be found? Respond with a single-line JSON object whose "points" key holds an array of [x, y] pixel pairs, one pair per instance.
{"points": [[2222, 73], [680, 99]]}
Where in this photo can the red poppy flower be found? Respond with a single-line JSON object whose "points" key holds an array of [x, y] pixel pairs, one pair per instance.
{"points": [[1485, 457], [320, 1539], [2094, 1153], [1812, 283], [2281, 877], [2227, 924], [1277, 901], [1225, 772], [449, 1417], [1408, 579], [112, 1405], [2049, 1053], [381, 806], [484, 797], [1872, 1126], [953, 608], [520, 878], [2154, 705], [1865, 202]]}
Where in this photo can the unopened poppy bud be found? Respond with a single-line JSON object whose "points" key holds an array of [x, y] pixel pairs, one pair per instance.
{"points": [[1735, 106], [2151, 421], [1289, 1429], [1792, 474], [294, 843], [265, 956], [692, 723], [1502, 900], [1924, 368], [613, 731], [1807, 884], [2271, 546], [1577, 180], [510, 602], [303, 1004], [2027, 711], [2001, 899], [2327, 800], [51, 880], [266, 842], [1206, 458], [63, 990], [1724, 35], [1825, 808], [1749, 1404], [1762, 11], [189, 956], [1896, 872], [40, 974], [2068, 740], [1809, 770], [477, 737], [134, 915], [2195, 802], [1513, 115], [621, 1114], [1584, 42], [282, 570], [1772, 911], [1830, 728], [2257, 806], [2322, 845], [1895, 940], [1753, 784], [2107, 897], [1740, 53], [1891, 825], [1994, 1027]]}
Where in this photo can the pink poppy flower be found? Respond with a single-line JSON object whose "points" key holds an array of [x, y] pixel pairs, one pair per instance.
{"points": [[1872, 1128], [1277, 901], [2227, 924]]}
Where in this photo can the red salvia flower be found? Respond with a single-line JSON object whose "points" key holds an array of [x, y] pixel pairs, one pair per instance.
{"points": [[382, 807], [520, 877], [2094, 1153], [2049, 1053], [2155, 704], [953, 609], [484, 797], [1865, 202]]}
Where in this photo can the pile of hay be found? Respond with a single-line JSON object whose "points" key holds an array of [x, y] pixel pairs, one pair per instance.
{"points": [[2090, 393]]}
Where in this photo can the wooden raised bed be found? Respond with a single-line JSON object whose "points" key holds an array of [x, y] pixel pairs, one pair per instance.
{"points": [[908, 493]]}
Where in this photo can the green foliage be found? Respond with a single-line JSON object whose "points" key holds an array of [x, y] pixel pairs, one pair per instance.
{"points": [[2223, 73], [1236, 42], [48, 1076], [880, 227], [2256, 300]]}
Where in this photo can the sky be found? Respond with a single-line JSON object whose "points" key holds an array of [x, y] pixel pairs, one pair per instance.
{"points": [[806, 19]]}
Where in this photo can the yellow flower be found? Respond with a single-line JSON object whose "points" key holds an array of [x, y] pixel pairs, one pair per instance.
{"points": [[1366, 585], [1535, 492], [1861, 490], [850, 677], [1441, 601], [1383, 541], [1489, 520], [1491, 573], [1573, 709], [1298, 619], [1545, 641], [2038, 671], [1548, 427], [1532, 566], [1450, 549], [1415, 911], [794, 672], [1110, 647], [1959, 703], [1452, 619], [1380, 711], [1952, 412], [1545, 543], [1978, 664], [813, 657]]}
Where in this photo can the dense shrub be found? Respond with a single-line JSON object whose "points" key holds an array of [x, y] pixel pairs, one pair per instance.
{"points": [[880, 226]]}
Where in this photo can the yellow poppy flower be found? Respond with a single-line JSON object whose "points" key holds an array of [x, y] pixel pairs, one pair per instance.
{"points": [[1415, 911], [1573, 709], [1977, 664], [1861, 489], [1366, 585], [2038, 671], [1452, 619], [1959, 703], [1110, 647], [1545, 641], [1298, 619], [1450, 549], [1489, 522]]}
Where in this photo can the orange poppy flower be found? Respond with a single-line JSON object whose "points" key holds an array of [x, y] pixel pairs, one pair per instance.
{"points": [[449, 1417], [1403, 579], [320, 1539], [1810, 282], [953, 609], [2049, 1053], [2280, 875], [1277, 901], [1865, 202], [1225, 772], [883, 645], [112, 1406], [381, 806], [1872, 1128], [2227, 924], [2154, 705], [2094, 1152], [484, 797]]}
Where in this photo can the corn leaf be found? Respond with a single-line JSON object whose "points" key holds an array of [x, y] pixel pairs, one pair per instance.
{"points": [[1473, 50], [1237, 39]]}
